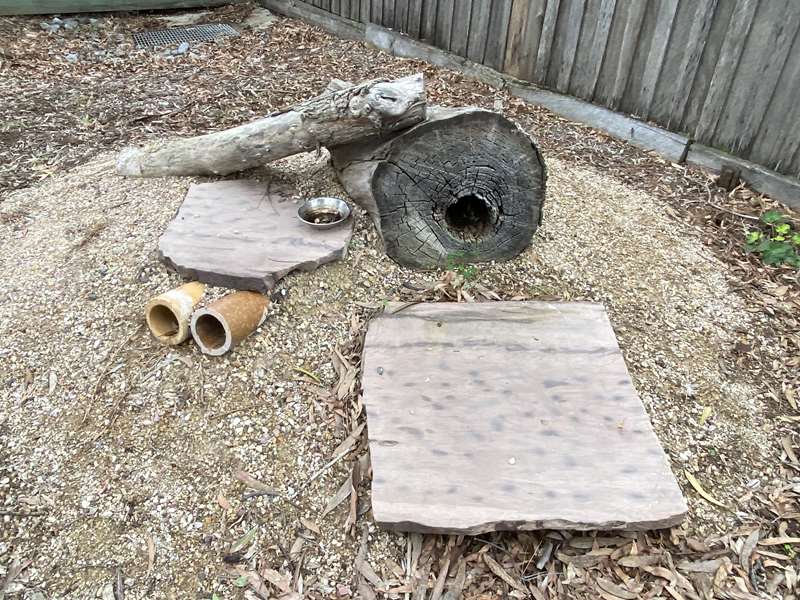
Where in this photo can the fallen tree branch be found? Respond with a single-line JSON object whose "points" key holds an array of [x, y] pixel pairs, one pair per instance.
{"points": [[335, 117]]}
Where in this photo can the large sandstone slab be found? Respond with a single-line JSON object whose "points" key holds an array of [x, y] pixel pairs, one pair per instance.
{"points": [[509, 416], [244, 234]]}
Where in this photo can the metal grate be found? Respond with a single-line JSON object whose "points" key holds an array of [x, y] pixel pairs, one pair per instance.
{"points": [[177, 35]]}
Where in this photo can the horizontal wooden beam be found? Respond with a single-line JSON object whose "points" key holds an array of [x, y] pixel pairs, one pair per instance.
{"points": [[776, 186], [46, 7], [671, 146]]}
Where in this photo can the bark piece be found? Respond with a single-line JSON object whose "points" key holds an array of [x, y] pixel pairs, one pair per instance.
{"points": [[465, 185], [335, 117], [509, 416], [246, 235]]}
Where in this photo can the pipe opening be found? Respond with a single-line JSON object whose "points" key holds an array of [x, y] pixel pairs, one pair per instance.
{"points": [[210, 331], [469, 216], [162, 321]]}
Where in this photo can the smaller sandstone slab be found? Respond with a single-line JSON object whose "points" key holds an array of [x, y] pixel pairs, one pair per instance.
{"points": [[509, 416], [245, 235]]}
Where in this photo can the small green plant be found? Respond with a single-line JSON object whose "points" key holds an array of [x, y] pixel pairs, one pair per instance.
{"points": [[457, 262], [775, 240], [790, 551]]}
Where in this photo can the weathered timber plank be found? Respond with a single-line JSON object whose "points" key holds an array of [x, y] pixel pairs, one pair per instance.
{"points": [[388, 13], [545, 49], [336, 7], [525, 26], [459, 37], [344, 8], [355, 10], [752, 103], [498, 34], [406, 47], [444, 23], [478, 30], [401, 16], [573, 34], [637, 133], [655, 57], [585, 84], [730, 54], [633, 25], [776, 142], [364, 15], [414, 18], [292, 8], [376, 12], [427, 30], [463, 443], [698, 34], [782, 188]]}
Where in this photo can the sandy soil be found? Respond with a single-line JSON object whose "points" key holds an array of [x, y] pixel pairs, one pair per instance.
{"points": [[119, 457]]}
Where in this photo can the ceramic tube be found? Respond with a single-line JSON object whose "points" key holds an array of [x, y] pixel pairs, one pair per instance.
{"points": [[168, 314], [221, 325]]}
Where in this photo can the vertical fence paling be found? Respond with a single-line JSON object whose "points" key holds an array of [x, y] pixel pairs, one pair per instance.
{"points": [[724, 72]]}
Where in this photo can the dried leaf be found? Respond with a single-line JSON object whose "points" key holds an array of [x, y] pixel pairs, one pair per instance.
{"points": [[340, 496], [365, 592], [700, 566], [350, 441], [640, 560], [786, 442], [495, 567], [245, 540], [368, 572], [615, 590], [151, 554], [307, 373], [705, 415], [310, 525], [223, 502], [779, 541], [254, 580], [700, 490], [297, 547], [791, 397], [747, 550], [282, 582], [438, 587], [255, 484]]}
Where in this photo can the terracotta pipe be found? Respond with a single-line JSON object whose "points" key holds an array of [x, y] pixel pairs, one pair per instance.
{"points": [[221, 325], [168, 314]]}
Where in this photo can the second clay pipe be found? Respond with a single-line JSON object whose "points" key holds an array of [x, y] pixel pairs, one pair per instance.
{"points": [[221, 325]]}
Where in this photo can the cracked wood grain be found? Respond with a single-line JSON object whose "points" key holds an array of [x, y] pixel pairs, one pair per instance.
{"points": [[466, 185]]}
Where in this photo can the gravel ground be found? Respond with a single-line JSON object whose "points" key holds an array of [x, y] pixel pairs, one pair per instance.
{"points": [[127, 465]]}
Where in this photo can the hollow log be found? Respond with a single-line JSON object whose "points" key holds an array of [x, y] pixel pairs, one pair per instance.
{"points": [[466, 185], [335, 117]]}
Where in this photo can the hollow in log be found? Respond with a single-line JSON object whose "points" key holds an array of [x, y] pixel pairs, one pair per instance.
{"points": [[336, 117], [466, 185]]}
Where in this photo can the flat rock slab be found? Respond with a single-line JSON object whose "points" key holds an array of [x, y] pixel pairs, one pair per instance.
{"points": [[245, 235], [509, 416]]}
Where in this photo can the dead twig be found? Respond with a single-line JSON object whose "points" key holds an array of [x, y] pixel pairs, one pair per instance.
{"points": [[105, 373]]}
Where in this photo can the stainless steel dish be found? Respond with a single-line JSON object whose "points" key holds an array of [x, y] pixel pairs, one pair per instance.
{"points": [[323, 212]]}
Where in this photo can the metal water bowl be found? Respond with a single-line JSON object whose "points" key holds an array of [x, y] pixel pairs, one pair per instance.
{"points": [[323, 213]]}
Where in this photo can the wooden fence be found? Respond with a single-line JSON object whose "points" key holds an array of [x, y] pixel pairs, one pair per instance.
{"points": [[724, 72]]}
